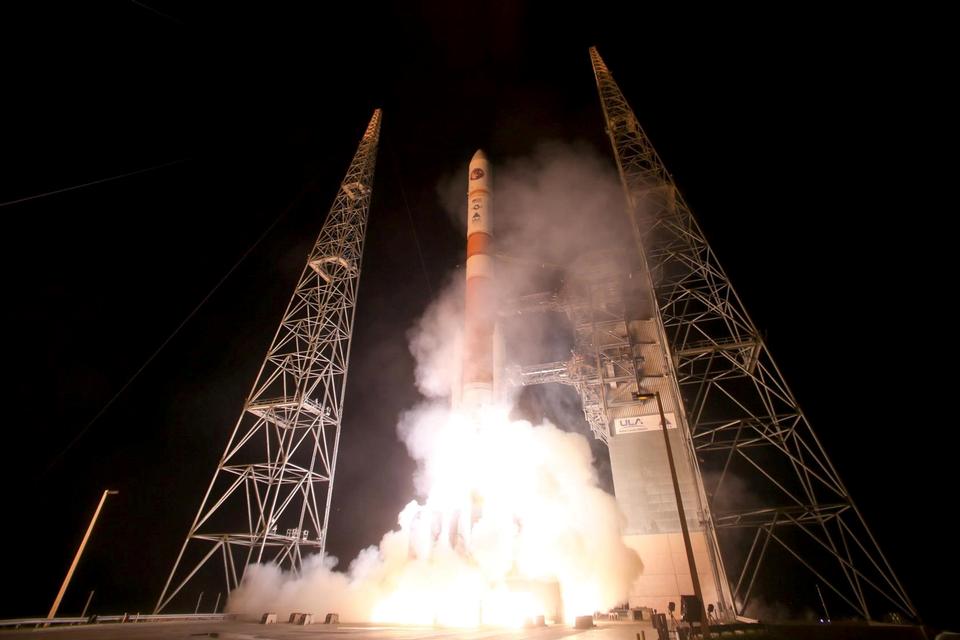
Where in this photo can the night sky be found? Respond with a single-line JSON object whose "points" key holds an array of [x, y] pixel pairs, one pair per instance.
{"points": [[802, 142]]}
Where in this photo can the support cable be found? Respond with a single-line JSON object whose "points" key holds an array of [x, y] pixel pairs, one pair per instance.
{"points": [[45, 194], [56, 459]]}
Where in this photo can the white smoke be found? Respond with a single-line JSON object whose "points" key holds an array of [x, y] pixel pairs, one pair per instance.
{"points": [[436, 343], [502, 504]]}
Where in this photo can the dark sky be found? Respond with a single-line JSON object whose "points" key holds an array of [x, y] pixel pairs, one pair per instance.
{"points": [[803, 143]]}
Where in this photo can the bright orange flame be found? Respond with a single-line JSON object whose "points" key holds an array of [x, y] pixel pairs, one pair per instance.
{"points": [[513, 526], [504, 507]]}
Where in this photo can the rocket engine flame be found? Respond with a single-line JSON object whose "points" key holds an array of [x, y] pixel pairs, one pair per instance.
{"points": [[514, 526]]}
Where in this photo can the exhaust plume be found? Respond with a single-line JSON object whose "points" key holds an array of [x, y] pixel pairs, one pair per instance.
{"points": [[509, 521]]}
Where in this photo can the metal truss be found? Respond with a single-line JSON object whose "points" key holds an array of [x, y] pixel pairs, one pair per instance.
{"points": [[743, 419], [605, 365], [269, 499]]}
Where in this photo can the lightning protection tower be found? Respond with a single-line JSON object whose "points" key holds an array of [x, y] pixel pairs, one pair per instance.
{"points": [[738, 417], [269, 499]]}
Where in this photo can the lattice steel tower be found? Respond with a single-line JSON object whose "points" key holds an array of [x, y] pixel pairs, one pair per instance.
{"points": [[738, 417], [269, 499]]}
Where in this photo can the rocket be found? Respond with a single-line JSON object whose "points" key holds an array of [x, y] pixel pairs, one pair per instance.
{"points": [[477, 381]]}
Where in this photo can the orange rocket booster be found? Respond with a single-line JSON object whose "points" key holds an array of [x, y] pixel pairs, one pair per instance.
{"points": [[480, 311]]}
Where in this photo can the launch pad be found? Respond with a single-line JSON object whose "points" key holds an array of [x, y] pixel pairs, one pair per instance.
{"points": [[240, 630], [243, 630]]}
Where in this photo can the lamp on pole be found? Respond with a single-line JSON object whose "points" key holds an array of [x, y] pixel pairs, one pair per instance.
{"points": [[76, 558], [688, 547]]}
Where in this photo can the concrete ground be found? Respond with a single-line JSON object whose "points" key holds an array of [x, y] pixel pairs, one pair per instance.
{"points": [[236, 630]]}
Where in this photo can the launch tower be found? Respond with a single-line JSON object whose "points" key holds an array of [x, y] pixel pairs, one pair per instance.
{"points": [[276, 473], [733, 412], [665, 321]]}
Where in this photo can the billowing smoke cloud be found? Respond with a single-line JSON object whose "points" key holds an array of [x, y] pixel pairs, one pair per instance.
{"points": [[559, 203], [552, 206], [509, 514]]}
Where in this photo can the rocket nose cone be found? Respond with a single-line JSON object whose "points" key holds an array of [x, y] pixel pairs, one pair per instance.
{"points": [[479, 172]]}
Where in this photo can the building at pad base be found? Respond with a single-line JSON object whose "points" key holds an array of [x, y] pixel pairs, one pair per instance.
{"points": [[619, 369]]}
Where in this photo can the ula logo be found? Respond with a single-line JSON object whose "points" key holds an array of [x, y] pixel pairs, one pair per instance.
{"points": [[477, 173], [634, 424]]}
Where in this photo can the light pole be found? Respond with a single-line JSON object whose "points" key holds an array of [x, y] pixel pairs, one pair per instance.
{"points": [[76, 558], [87, 606], [823, 602], [688, 547]]}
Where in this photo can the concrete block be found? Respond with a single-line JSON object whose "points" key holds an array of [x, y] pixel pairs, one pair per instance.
{"points": [[583, 622]]}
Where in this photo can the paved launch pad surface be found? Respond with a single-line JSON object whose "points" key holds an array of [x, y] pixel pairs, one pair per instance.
{"points": [[235, 630]]}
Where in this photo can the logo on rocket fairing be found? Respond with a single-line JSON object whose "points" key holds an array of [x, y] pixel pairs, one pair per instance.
{"points": [[476, 174]]}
